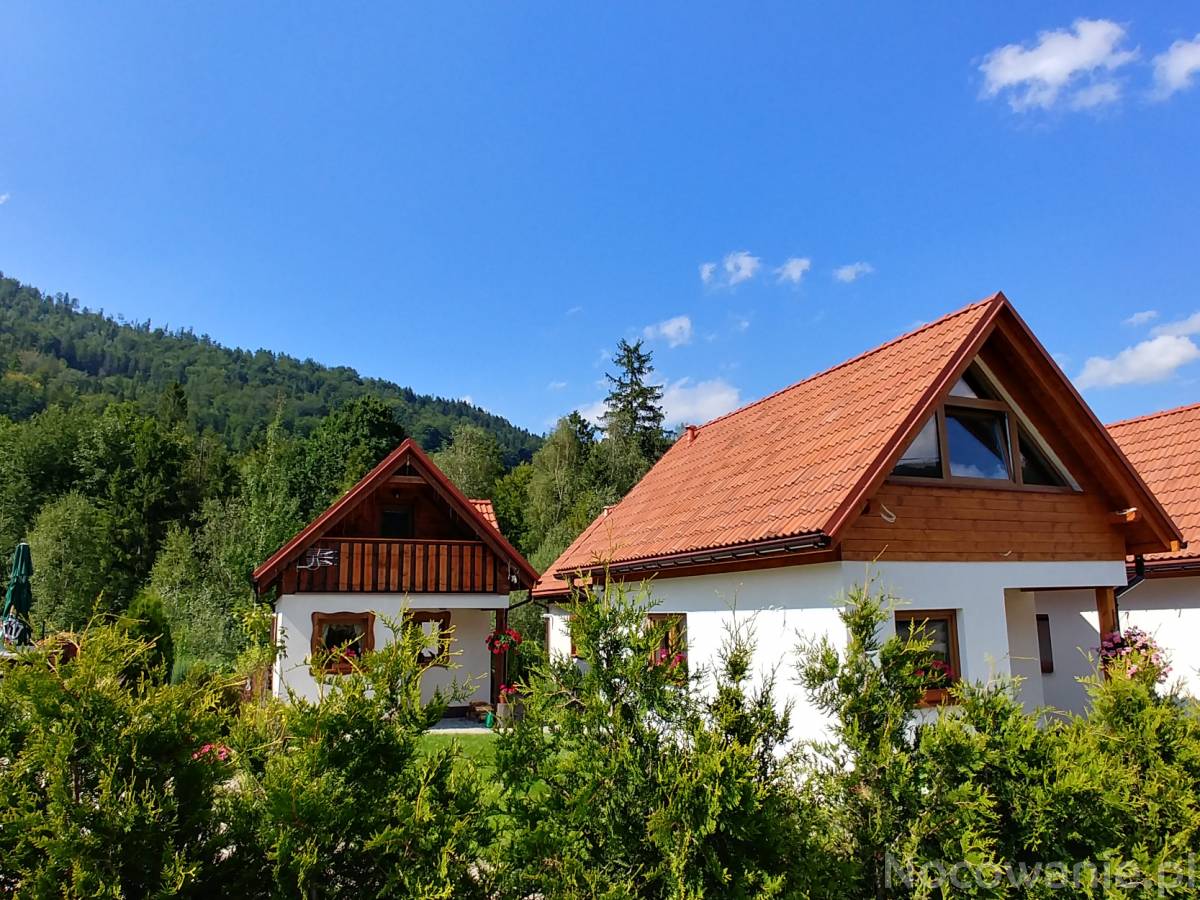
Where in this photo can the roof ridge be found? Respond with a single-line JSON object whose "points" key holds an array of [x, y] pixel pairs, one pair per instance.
{"points": [[854, 359], [1154, 415]]}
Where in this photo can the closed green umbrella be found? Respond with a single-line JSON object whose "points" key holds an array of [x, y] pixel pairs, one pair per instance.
{"points": [[18, 598]]}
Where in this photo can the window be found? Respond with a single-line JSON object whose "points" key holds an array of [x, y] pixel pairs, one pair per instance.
{"points": [[978, 443], [1045, 649], [940, 626], [922, 459], [672, 648], [974, 437], [338, 639], [1035, 468], [435, 626], [396, 522]]}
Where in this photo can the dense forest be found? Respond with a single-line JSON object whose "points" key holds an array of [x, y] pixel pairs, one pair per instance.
{"points": [[54, 351], [152, 471]]}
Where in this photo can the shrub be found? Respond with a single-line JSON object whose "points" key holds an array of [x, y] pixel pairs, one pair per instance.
{"points": [[623, 781], [103, 791], [1013, 798], [333, 798]]}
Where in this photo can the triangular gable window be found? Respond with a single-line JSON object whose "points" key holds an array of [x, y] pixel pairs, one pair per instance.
{"points": [[975, 437]]}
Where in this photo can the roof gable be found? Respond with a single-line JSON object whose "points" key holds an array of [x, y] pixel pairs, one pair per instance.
{"points": [[801, 462], [478, 514]]}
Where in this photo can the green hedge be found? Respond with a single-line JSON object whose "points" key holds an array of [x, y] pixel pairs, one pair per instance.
{"points": [[627, 777]]}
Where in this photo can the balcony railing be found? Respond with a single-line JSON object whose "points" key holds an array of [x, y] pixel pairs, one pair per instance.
{"points": [[384, 565]]}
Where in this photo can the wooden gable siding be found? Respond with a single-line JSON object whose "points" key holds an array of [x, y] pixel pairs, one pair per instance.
{"points": [[431, 516], [939, 523]]}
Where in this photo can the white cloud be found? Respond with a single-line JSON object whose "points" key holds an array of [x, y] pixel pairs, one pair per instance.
{"points": [[853, 272], [1102, 93], [556, 385], [793, 270], [1036, 76], [4, 198], [742, 324], [1153, 360], [1190, 325], [574, 310], [594, 412], [467, 398], [676, 331], [1175, 66], [740, 266], [736, 267], [687, 402], [1142, 317]]}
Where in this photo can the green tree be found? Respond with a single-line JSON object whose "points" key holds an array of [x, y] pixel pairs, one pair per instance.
{"points": [[510, 497], [68, 544], [344, 447], [173, 404], [557, 481], [634, 404], [472, 461], [146, 621], [37, 464], [136, 471]]}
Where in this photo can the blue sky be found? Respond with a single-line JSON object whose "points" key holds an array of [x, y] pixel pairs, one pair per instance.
{"points": [[479, 200]]}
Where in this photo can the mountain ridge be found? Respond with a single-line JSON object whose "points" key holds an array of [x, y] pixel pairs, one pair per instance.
{"points": [[55, 351]]}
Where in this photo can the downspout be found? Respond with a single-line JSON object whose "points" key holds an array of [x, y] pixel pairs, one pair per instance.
{"points": [[1139, 575]]}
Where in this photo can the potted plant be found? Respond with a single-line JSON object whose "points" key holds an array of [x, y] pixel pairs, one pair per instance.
{"points": [[1136, 654], [502, 640]]}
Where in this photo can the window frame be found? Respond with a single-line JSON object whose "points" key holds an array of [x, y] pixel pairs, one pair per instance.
{"points": [[936, 696], [1014, 428], [329, 664], [1045, 643], [428, 658], [676, 636]]}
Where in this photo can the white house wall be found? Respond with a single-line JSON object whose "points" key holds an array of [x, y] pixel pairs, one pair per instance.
{"points": [[471, 626], [787, 604], [1167, 608]]}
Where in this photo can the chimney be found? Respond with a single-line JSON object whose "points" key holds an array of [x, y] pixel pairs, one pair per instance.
{"points": [[692, 431]]}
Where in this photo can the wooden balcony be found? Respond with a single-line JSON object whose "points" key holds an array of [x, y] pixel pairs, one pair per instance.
{"points": [[384, 565]]}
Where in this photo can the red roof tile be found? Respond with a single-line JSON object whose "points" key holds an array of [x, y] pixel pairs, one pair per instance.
{"points": [[788, 464], [485, 509], [1165, 449]]}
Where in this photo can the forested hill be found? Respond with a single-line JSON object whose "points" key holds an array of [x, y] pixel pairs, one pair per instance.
{"points": [[54, 351]]}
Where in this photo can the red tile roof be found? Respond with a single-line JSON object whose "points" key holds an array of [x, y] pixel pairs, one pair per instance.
{"points": [[485, 509], [788, 464], [1165, 448]]}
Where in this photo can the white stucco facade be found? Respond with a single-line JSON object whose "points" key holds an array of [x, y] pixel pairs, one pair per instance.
{"points": [[1166, 608], [995, 613], [471, 617]]}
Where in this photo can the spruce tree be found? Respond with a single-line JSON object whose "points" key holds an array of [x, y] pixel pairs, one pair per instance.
{"points": [[634, 402]]}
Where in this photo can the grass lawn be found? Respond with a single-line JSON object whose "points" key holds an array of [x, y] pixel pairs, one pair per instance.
{"points": [[480, 748]]}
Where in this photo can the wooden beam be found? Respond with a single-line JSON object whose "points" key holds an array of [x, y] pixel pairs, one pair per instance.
{"points": [[1106, 606], [499, 661], [1126, 516]]}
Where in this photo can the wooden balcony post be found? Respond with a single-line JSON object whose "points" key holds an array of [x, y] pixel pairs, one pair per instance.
{"points": [[500, 667], [1106, 606]]}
